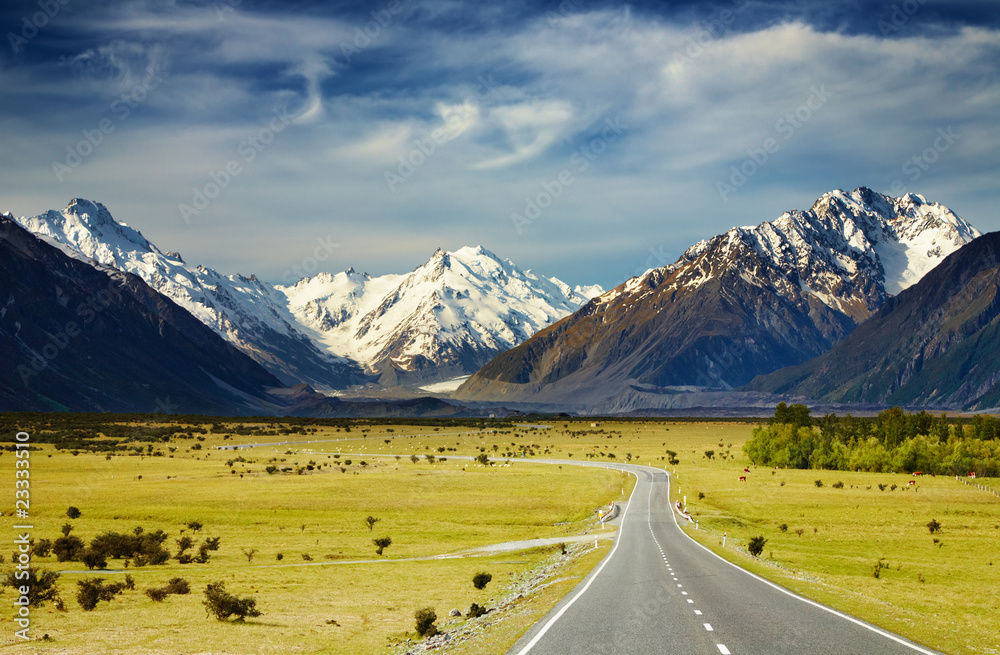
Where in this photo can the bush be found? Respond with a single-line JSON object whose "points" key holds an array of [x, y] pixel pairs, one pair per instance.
{"points": [[381, 544], [94, 559], [838, 485], [483, 458], [756, 545], [878, 568], [73, 513], [783, 527], [67, 548], [819, 483], [223, 604], [175, 586], [92, 591], [425, 619], [42, 548], [480, 580], [41, 585], [934, 526], [475, 611]]}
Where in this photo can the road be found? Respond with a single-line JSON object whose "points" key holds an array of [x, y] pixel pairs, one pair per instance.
{"points": [[658, 591]]}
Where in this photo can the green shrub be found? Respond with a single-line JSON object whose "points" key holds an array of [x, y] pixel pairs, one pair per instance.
{"points": [[73, 513], [480, 580], [222, 604], [381, 544], [425, 619], [934, 526], [92, 591], [41, 585], [756, 545], [475, 611]]}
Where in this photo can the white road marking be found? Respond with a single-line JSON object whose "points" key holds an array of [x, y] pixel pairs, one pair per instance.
{"points": [[697, 612], [683, 593], [723, 649], [690, 601], [708, 626], [531, 644]]}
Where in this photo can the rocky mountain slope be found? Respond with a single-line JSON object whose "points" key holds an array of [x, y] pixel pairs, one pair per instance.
{"points": [[78, 338], [741, 304], [935, 344]]}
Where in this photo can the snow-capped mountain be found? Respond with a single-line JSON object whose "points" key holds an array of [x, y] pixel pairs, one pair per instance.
{"points": [[446, 318], [743, 303]]}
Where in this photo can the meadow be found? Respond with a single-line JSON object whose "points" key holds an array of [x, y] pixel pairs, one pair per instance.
{"points": [[823, 541]]}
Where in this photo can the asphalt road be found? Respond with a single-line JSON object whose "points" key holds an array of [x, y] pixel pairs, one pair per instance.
{"points": [[659, 592]]}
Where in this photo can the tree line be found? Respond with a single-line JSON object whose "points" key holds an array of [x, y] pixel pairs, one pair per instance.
{"points": [[893, 441]]}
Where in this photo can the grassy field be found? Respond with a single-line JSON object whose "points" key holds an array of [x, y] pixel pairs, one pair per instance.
{"points": [[343, 598], [823, 541]]}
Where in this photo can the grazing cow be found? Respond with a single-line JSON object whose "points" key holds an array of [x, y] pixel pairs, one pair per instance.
{"points": [[911, 483], [917, 473], [743, 478], [746, 470], [972, 474]]}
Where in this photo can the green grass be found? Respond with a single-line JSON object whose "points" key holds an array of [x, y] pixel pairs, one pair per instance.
{"points": [[451, 506]]}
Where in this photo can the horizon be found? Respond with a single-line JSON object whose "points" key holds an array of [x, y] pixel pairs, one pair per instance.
{"points": [[241, 133]]}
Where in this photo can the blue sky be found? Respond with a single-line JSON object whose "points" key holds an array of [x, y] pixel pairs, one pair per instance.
{"points": [[583, 139]]}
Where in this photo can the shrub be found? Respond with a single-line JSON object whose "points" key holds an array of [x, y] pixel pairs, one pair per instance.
{"points": [[756, 545], [425, 619], [371, 521], [279, 557], [93, 559], [73, 513], [67, 548], [480, 580], [879, 566], [819, 483], [92, 591], [934, 526], [41, 585], [475, 611], [42, 548], [783, 527], [838, 485], [483, 458], [195, 526], [381, 544], [222, 604]]}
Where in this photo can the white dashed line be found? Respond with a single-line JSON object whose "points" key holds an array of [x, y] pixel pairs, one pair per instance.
{"points": [[690, 601], [723, 649], [697, 612], [683, 593], [708, 626]]}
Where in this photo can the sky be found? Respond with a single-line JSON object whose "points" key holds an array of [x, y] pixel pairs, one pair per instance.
{"points": [[588, 140]]}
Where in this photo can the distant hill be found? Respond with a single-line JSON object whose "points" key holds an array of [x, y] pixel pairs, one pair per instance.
{"points": [[935, 344]]}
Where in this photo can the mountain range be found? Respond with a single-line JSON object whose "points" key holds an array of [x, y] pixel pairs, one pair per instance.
{"points": [[444, 319], [863, 298], [744, 303]]}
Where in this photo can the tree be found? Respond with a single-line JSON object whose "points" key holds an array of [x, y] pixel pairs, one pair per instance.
{"points": [[371, 521], [480, 580], [223, 604], [68, 548], [93, 590], [483, 458], [94, 559], [381, 543], [425, 619], [756, 545], [249, 553], [934, 526], [73, 513]]}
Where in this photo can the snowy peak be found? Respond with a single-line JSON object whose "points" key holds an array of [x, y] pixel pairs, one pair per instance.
{"points": [[446, 317]]}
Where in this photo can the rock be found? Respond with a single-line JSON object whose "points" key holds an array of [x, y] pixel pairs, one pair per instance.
{"points": [[454, 613]]}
